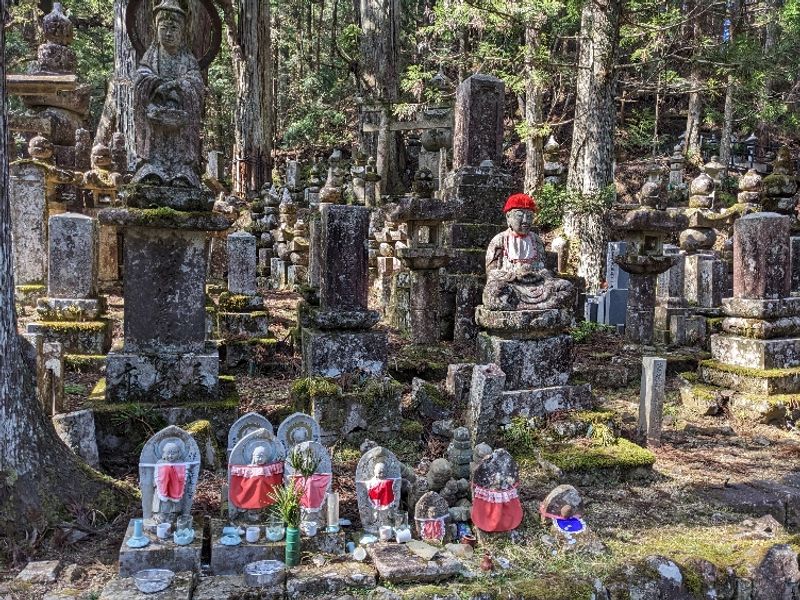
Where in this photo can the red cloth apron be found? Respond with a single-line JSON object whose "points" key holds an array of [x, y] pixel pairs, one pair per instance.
{"points": [[496, 510], [381, 492], [314, 489], [170, 481], [252, 486], [432, 529]]}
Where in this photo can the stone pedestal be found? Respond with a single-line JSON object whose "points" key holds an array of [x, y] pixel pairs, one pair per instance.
{"points": [[759, 349], [165, 356], [337, 338], [526, 361], [231, 560], [160, 554]]}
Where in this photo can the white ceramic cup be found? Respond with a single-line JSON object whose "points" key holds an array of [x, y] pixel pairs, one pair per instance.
{"points": [[385, 533], [252, 534], [162, 530], [310, 528]]}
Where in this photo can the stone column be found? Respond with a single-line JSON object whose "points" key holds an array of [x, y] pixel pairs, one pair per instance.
{"points": [[478, 129], [242, 263], [424, 313], [761, 257], [651, 399], [639, 321], [670, 312], [28, 200], [337, 336]]}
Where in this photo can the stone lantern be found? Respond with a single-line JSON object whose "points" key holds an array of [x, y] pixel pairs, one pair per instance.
{"points": [[424, 255]]}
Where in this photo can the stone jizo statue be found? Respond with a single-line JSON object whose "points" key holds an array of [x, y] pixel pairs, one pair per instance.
{"points": [[169, 95], [516, 276]]}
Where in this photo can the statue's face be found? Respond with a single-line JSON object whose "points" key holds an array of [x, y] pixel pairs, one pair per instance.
{"points": [[101, 157], [170, 31], [299, 435], [380, 471], [259, 455], [171, 452], [520, 220]]}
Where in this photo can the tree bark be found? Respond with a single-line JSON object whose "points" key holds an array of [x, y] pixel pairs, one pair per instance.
{"points": [[727, 125], [591, 162], [380, 81], [42, 479], [534, 97], [694, 113], [251, 54]]}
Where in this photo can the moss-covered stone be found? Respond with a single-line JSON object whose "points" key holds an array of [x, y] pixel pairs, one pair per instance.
{"points": [[84, 363], [203, 433], [624, 455]]}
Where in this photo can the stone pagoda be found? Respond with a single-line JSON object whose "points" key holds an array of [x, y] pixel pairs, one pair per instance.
{"points": [[166, 223]]}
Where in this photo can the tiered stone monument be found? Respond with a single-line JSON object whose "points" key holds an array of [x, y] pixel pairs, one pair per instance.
{"points": [[780, 187], [671, 309], [337, 335], [476, 187], [524, 347], [166, 224], [759, 349], [554, 170], [72, 313]]}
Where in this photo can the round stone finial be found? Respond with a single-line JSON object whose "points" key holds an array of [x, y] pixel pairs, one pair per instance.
{"points": [[750, 182], [40, 148], [702, 185], [57, 27], [552, 146]]}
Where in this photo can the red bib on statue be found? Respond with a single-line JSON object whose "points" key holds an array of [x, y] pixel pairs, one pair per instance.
{"points": [[496, 510], [252, 485], [381, 493], [171, 480], [314, 489]]}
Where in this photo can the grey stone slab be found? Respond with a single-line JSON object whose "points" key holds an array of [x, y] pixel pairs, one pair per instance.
{"points": [[76, 430], [87, 337], [794, 246], [761, 309], [233, 587], [159, 554], [615, 307], [72, 254], [124, 588], [242, 263], [42, 571], [615, 276], [28, 202], [478, 128], [755, 353], [71, 309], [162, 377], [236, 325], [529, 364], [397, 564], [165, 274], [486, 390], [309, 580], [651, 399], [344, 277], [231, 560], [761, 256], [333, 353]]}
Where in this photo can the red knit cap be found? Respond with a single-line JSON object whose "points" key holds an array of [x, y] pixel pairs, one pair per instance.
{"points": [[519, 201]]}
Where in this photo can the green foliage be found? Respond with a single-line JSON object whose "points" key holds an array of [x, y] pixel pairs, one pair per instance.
{"points": [[304, 462], [586, 330], [551, 200], [636, 134], [286, 504], [522, 434], [602, 435]]}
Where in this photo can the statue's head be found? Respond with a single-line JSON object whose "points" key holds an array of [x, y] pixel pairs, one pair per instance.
{"points": [[299, 435], [101, 157], [40, 148], [379, 471], [519, 211], [170, 25], [171, 452], [259, 455]]}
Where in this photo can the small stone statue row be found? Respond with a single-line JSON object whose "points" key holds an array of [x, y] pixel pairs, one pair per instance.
{"points": [[258, 461], [496, 506]]}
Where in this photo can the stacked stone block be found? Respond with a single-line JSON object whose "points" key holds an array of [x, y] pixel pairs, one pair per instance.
{"points": [[759, 349]]}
